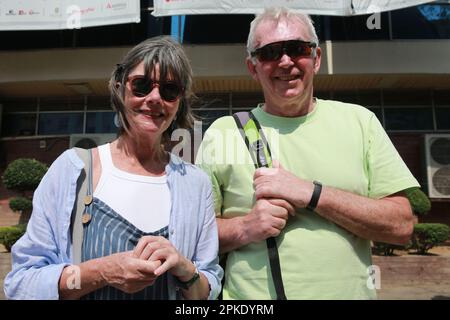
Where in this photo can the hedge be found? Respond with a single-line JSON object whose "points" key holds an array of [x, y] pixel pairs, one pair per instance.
{"points": [[9, 235], [420, 203], [428, 235], [24, 174], [20, 204]]}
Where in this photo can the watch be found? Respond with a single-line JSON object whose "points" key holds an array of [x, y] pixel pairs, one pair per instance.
{"points": [[315, 196], [187, 284]]}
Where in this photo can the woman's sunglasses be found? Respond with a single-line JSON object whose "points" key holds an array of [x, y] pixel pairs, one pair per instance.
{"points": [[275, 50], [141, 86]]}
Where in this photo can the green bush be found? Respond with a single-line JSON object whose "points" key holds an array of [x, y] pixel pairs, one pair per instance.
{"points": [[386, 249], [20, 204], [24, 174], [9, 235], [420, 203], [428, 235]]}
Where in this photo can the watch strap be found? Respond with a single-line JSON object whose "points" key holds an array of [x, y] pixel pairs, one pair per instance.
{"points": [[187, 284], [315, 196]]}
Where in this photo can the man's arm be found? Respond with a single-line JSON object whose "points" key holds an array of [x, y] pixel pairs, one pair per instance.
{"points": [[389, 219]]}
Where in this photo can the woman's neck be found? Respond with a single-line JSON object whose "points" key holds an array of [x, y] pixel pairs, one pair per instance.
{"points": [[136, 155]]}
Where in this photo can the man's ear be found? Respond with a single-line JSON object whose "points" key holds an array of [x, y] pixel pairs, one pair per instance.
{"points": [[317, 59], [251, 68]]}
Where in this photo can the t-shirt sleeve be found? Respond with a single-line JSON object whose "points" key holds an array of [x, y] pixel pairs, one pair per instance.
{"points": [[387, 171], [206, 160]]}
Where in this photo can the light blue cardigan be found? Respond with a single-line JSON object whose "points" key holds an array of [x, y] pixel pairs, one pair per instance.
{"points": [[39, 257]]}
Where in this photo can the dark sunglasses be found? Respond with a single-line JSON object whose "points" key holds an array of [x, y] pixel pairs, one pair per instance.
{"points": [[275, 50], [141, 86]]}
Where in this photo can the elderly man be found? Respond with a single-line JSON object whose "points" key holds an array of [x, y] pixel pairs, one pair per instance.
{"points": [[336, 183]]}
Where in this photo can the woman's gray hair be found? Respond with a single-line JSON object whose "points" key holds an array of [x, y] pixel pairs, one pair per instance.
{"points": [[277, 14], [173, 64]]}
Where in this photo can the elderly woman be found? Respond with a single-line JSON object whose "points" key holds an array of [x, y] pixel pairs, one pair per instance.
{"points": [[151, 232]]}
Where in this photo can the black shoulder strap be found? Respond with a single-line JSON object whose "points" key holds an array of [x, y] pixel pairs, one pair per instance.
{"points": [[242, 120]]}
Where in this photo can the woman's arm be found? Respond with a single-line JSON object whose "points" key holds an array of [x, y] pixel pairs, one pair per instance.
{"points": [[121, 270]]}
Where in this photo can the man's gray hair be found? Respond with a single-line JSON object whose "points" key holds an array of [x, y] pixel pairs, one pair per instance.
{"points": [[173, 64], [278, 14]]}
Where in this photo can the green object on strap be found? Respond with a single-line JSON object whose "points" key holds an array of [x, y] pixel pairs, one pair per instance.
{"points": [[259, 149]]}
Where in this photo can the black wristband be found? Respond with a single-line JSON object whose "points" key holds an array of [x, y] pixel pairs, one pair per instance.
{"points": [[315, 196], [187, 284]]}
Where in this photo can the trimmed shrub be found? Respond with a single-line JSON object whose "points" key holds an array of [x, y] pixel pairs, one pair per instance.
{"points": [[20, 204], [420, 203], [386, 249], [428, 235], [24, 174], [9, 235]]}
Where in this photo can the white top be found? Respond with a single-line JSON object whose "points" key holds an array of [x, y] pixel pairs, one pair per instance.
{"points": [[142, 200]]}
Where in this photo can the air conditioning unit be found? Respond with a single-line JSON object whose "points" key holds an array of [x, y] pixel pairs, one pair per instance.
{"points": [[87, 141], [437, 155]]}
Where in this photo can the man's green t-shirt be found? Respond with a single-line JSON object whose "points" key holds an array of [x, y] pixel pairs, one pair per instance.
{"points": [[341, 145]]}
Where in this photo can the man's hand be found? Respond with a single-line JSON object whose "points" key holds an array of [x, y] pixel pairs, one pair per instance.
{"points": [[278, 183], [266, 219]]}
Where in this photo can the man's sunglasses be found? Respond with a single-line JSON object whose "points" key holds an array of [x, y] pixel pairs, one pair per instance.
{"points": [[275, 50], [141, 86]]}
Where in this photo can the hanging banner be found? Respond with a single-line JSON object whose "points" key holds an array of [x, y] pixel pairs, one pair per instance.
{"points": [[327, 7], [65, 14]]}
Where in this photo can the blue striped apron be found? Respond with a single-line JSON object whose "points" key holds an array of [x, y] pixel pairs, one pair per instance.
{"points": [[107, 233]]}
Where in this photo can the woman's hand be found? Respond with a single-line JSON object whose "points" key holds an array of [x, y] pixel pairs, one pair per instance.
{"points": [[127, 273], [153, 248], [120, 270]]}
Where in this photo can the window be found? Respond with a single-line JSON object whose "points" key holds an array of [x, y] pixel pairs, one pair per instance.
{"points": [[61, 104], [60, 123], [56, 116], [408, 110], [19, 117], [246, 101], [19, 124], [100, 122], [408, 119], [442, 109], [211, 106]]}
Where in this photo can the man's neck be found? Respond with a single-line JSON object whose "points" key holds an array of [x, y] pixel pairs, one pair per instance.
{"points": [[290, 109]]}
